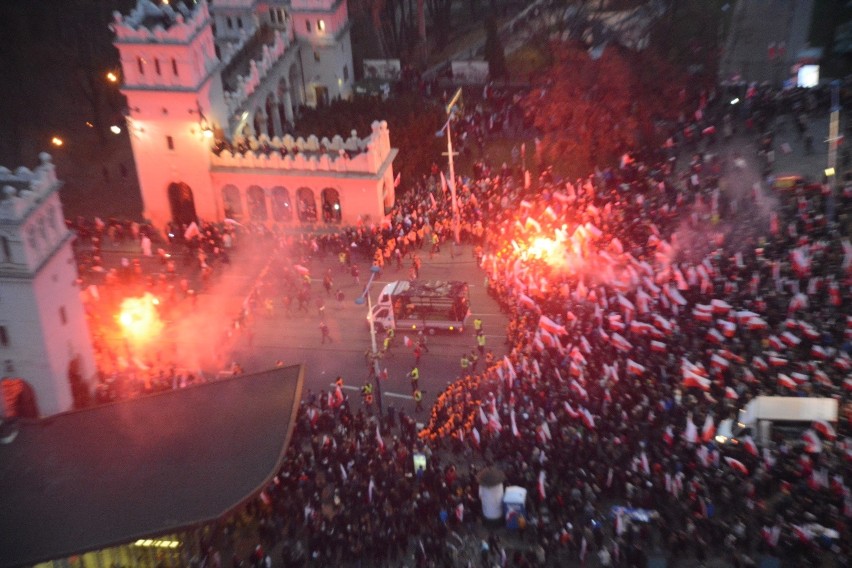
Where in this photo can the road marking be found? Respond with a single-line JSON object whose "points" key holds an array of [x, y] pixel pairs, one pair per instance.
{"points": [[392, 394]]}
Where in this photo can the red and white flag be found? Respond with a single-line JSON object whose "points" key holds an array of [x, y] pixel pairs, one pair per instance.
{"points": [[720, 307], [474, 433], [709, 429], [786, 381], [587, 418], [620, 343], [813, 443], [737, 465], [818, 352], [731, 394], [750, 446], [571, 412], [668, 435], [691, 432], [515, 432], [715, 337], [825, 428], [379, 440], [658, 346], [760, 363], [541, 485], [634, 368]]}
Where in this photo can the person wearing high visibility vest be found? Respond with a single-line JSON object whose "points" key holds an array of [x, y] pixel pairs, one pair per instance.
{"points": [[465, 364], [480, 342], [418, 400], [477, 324], [414, 375]]}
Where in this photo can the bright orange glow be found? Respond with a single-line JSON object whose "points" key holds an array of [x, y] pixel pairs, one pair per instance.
{"points": [[56, 141], [547, 250], [139, 318], [112, 77]]}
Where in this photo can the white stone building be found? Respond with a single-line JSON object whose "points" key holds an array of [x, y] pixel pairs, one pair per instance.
{"points": [[210, 92], [44, 336]]}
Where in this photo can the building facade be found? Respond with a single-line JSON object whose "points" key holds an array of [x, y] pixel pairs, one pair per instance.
{"points": [[212, 91], [45, 346]]}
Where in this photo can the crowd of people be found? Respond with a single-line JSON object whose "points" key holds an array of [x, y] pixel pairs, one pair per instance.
{"points": [[646, 305]]}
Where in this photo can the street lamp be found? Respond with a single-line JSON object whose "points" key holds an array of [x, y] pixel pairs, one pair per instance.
{"points": [[360, 300], [451, 107]]}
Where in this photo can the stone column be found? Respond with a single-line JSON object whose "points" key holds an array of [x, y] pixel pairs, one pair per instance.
{"points": [[288, 107], [276, 119]]}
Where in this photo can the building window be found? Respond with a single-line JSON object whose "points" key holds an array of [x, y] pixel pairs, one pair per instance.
{"points": [[7, 250], [62, 317], [345, 72], [157, 66], [170, 142], [308, 25], [230, 23], [4, 336], [174, 66], [321, 25], [273, 15], [240, 23], [316, 56], [140, 63]]}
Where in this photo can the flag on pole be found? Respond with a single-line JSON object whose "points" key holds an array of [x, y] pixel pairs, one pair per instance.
{"points": [[379, 439], [691, 432], [443, 183], [709, 429], [397, 179], [541, 483]]}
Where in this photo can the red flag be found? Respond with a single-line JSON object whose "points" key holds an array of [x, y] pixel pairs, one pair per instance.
{"points": [[658, 346], [709, 429]]}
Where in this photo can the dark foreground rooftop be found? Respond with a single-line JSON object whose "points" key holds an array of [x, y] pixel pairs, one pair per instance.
{"points": [[104, 476]]}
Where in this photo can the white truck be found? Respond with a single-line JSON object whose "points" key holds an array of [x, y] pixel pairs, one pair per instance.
{"points": [[788, 416], [427, 306]]}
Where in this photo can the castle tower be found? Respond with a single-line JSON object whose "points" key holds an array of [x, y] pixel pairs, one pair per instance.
{"points": [[45, 344], [171, 78], [322, 28]]}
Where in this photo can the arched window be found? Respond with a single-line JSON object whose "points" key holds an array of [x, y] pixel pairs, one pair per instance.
{"points": [[331, 205], [281, 209], [174, 67], [256, 200], [232, 202], [140, 63], [306, 205], [157, 66]]}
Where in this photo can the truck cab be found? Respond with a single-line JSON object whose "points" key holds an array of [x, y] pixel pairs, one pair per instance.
{"points": [[426, 306]]}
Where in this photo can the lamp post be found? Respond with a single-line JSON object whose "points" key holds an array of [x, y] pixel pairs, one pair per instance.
{"points": [[360, 300], [451, 107]]}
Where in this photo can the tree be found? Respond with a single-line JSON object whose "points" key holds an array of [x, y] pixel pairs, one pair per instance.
{"points": [[494, 50], [591, 111]]}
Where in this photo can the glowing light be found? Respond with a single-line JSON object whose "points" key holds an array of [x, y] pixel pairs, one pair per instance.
{"points": [[115, 129], [139, 318], [207, 133], [112, 77], [735, 101], [321, 25], [57, 141]]}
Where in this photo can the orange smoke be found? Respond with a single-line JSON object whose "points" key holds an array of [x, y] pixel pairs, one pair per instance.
{"points": [[140, 319]]}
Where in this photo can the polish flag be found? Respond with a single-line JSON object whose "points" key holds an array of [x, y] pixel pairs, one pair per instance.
{"points": [[776, 343], [744, 316], [541, 483], [748, 376], [548, 324], [578, 388], [719, 362], [476, 437], [675, 296], [800, 378], [668, 435], [813, 444], [720, 306], [842, 363], [729, 328], [755, 324], [663, 324], [571, 412], [691, 432], [482, 418], [750, 446], [713, 336], [790, 339], [709, 429], [730, 356], [737, 465], [760, 364], [645, 467], [699, 315], [731, 394], [379, 440], [527, 302], [809, 332], [515, 432], [786, 381], [804, 534], [588, 419], [620, 343], [776, 361], [407, 341], [658, 346], [818, 352], [694, 380], [825, 428], [821, 378], [634, 368], [585, 345]]}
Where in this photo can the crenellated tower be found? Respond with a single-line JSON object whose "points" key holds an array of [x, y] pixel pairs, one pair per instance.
{"points": [[323, 29], [45, 345], [172, 81]]}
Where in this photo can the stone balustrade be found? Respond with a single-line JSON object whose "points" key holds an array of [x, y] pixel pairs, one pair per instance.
{"points": [[161, 23], [258, 69], [24, 188]]}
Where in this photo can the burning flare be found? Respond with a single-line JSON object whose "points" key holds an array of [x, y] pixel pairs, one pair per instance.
{"points": [[140, 319]]}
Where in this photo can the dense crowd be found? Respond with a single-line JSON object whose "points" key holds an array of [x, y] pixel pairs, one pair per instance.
{"points": [[647, 305]]}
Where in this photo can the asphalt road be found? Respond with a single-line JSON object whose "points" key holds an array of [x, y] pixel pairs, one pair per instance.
{"points": [[297, 338]]}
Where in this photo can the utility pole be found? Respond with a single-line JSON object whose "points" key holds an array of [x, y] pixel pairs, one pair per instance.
{"points": [[452, 181], [360, 300]]}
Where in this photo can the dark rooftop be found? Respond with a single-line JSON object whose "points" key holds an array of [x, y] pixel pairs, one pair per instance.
{"points": [[241, 63], [111, 474]]}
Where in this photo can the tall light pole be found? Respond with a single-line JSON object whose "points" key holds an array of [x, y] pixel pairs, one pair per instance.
{"points": [[834, 127], [451, 107], [360, 300]]}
